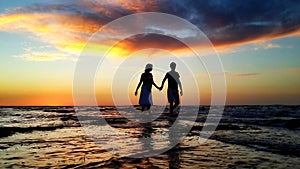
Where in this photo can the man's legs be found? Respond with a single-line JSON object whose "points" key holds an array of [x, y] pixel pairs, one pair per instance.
{"points": [[176, 100], [170, 100], [171, 107], [173, 98]]}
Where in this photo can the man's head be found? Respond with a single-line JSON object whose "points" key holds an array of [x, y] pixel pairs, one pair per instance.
{"points": [[173, 66]]}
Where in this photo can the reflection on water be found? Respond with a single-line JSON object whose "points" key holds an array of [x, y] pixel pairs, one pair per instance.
{"points": [[247, 137]]}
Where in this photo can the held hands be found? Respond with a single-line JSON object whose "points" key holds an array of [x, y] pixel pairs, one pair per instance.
{"points": [[161, 87], [158, 88]]}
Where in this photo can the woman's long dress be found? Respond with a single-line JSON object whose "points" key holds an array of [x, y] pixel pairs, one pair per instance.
{"points": [[146, 96]]}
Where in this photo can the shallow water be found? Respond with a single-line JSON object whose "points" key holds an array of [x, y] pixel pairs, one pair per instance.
{"points": [[247, 137]]}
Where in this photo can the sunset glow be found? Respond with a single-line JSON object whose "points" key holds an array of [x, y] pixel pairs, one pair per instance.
{"points": [[42, 41]]}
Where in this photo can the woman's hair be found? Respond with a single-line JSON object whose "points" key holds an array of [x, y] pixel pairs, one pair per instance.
{"points": [[148, 67]]}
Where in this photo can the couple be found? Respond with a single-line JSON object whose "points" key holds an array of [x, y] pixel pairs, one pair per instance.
{"points": [[147, 81]]}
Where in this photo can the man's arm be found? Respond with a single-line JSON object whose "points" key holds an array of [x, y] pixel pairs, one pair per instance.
{"points": [[163, 82], [180, 86]]}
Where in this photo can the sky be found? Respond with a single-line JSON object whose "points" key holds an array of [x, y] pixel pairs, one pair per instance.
{"points": [[257, 42]]}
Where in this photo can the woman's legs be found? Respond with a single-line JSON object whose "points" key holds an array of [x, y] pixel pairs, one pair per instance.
{"points": [[146, 107]]}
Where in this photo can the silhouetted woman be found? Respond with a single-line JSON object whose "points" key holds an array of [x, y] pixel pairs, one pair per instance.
{"points": [[147, 81]]}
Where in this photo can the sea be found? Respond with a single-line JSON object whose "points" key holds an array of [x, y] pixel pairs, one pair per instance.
{"points": [[246, 136]]}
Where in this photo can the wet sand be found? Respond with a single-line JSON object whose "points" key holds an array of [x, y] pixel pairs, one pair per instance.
{"points": [[54, 139]]}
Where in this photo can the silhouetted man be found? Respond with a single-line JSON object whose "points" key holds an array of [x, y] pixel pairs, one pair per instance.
{"points": [[173, 83]]}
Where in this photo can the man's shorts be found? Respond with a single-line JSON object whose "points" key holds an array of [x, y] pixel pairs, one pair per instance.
{"points": [[173, 95]]}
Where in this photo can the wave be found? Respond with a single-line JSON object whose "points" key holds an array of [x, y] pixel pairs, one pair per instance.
{"points": [[7, 131]]}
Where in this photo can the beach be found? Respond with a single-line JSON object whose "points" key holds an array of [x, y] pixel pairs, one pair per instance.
{"points": [[246, 137]]}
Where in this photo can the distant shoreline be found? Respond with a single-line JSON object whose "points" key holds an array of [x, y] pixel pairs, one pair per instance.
{"points": [[153, 105]]}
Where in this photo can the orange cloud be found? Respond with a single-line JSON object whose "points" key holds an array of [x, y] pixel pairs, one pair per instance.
{"points": [[67, 33], [140, 42], [109, 8], [246, 74], [67, 27], [228, 45], [44, 56], [229, 74]]}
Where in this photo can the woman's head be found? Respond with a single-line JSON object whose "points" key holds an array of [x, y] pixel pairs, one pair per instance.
{"points": [[148, 67]]}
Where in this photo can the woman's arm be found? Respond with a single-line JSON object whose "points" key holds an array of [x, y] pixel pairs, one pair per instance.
{"points": [[156, 85], [138, 86]]}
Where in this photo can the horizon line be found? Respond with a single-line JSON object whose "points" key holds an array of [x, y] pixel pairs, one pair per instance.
{"points": [[152, 105]]}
